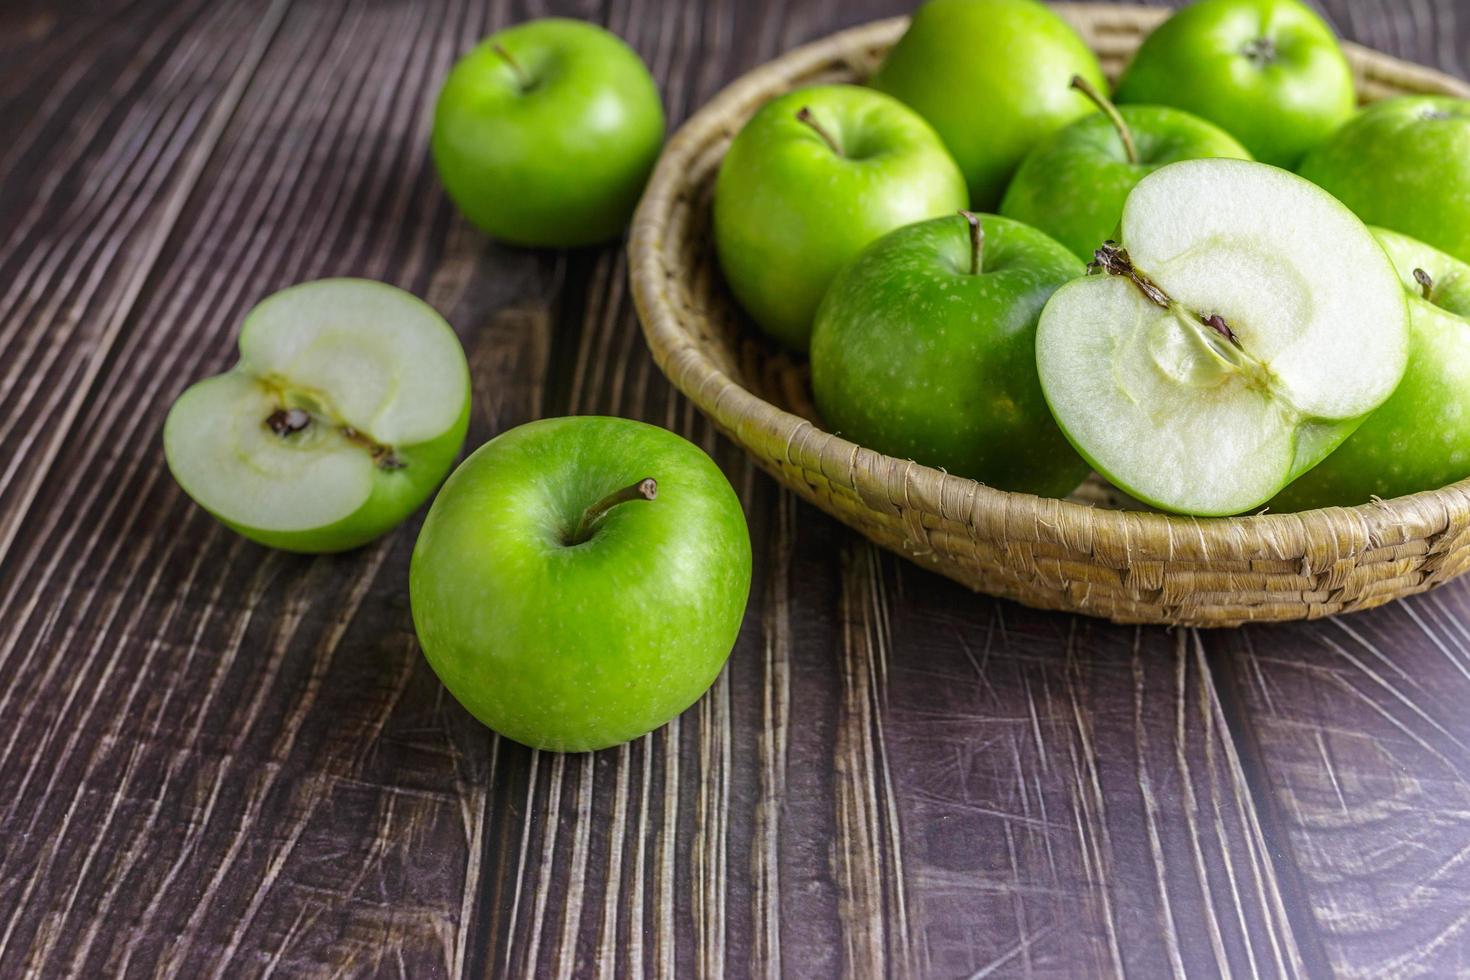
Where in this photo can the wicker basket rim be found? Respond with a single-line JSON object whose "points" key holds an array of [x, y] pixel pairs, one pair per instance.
{"points": [[702, 380]]}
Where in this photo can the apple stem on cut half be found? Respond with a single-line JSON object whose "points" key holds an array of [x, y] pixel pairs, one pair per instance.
{"points": [[520, 73], [1426, 284], [977, 241], [1111, 111], [644, 489], [804, 115]]}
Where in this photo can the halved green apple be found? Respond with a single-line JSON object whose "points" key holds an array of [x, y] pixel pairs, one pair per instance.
{"points": [[1244, 327], [346, 409]]}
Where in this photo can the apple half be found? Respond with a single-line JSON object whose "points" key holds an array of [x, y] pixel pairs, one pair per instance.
{"points": [[1243, 327], [346, 409]]}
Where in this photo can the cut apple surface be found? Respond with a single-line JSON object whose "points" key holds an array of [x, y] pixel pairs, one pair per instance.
{"points": [[348, 406], [1242, 329]]}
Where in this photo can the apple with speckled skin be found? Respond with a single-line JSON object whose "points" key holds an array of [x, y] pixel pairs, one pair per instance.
{"points": [[580, 581], [925, 349], [1420, 438], [812, 178]]}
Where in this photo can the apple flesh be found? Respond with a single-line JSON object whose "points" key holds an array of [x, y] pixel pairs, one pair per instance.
{"points": [[1244, 328], [991, 76], [812, 178], [1073, 184], [580, 581], [1269, 72], [925, 349], [1420, 438], [1404, 164], [546, 132], [347, 407]]}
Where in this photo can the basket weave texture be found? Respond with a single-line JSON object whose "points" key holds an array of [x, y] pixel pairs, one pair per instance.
{"points": [[1086, 554]]}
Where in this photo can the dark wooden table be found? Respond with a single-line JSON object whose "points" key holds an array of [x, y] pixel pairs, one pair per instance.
{"points": [[220, 761]]}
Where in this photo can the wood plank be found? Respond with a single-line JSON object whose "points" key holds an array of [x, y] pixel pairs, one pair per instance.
{"points": [[241, 754], [96, 196]]}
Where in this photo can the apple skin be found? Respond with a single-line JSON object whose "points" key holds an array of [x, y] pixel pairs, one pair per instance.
{"points": [[916, 357], [1420, 438], [789, 211], [1073, 184], [992, 77], [579, 647], [1198, 60], [1404, 164], [559, 163]]}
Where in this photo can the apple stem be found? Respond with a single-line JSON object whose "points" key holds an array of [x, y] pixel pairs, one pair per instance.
{"points": [[1260, 50], [1426, 283], [644, 489], [1111, 111], [804, 115], [520, 73], [977, 241]]}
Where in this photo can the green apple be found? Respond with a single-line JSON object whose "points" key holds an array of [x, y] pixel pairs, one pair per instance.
{"points": [[925, 349], [1420, 438], [1073, 183], [1268, 71], [991, 76], [1245, 326], [348, 405], [813, 177], [580, 581], [1404, 164], [545, 133]]}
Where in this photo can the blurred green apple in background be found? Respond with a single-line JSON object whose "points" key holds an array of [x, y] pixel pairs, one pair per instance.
{"points": [[992, 77], [545, 133], [1270, 72], [1404, 164]]}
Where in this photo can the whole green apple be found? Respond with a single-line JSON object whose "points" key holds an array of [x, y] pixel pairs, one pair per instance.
{"points": [[991, 76], [348, 405], [925, 349], [813, 177], [1269, 71], [580, 581], [1244, 326], [1420, 438], [545, 133], [1404, 164], [1072, 184]]}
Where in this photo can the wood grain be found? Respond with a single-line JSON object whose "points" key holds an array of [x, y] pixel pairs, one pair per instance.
{"points": [[220, 761]]}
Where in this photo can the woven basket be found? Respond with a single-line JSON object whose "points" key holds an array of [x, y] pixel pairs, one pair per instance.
{"points": [[1087, 554]]}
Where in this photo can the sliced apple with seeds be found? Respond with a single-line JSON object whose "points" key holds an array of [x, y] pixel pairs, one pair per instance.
{"points": [[1242, 329], [346, 409]]}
